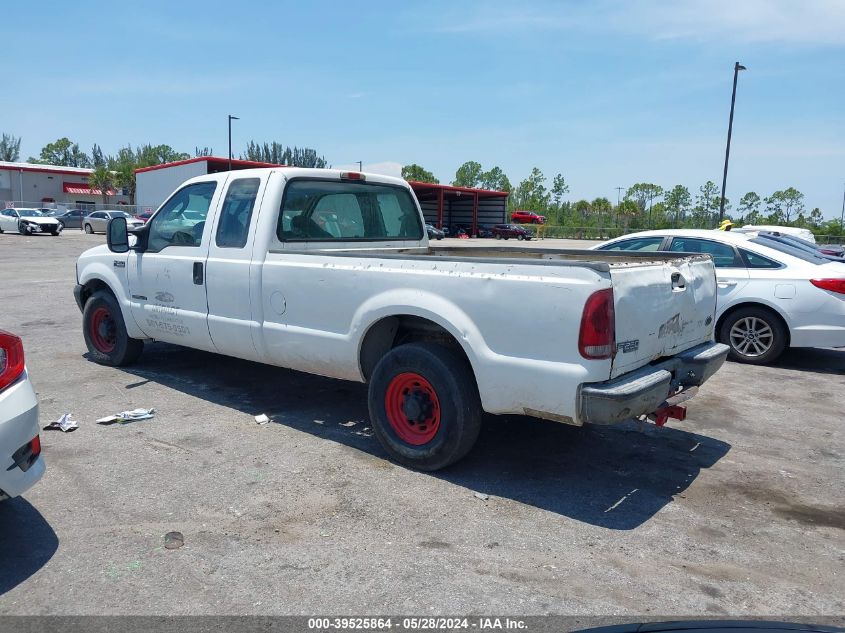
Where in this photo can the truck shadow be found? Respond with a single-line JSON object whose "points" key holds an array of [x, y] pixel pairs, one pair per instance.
{"points": [[614, 477], [28, 542]]}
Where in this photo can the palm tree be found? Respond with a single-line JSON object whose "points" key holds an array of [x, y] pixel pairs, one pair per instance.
{"points": [[103, 179]]}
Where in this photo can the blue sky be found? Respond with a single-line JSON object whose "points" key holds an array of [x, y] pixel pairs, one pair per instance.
{"points": [[608, 93]]}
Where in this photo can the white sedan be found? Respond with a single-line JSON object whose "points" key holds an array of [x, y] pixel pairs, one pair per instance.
{"points": [[770, 295], [20, 445], [28, 221]]}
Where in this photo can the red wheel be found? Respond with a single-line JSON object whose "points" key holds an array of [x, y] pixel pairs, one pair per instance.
{"points": [[413, 408], [103, 331]]}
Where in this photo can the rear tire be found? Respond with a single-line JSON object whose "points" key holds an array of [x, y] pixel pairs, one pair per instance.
{"points": [[756, 336], [88, 229], [424, 405], [105, 332]]}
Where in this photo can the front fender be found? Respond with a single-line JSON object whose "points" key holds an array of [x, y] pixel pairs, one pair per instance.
{"points": [[97, 272]]}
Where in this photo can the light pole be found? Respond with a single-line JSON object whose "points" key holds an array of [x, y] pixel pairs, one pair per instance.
{"points": [[737, 68], [618, 191], [230, 139], [360, 165]]}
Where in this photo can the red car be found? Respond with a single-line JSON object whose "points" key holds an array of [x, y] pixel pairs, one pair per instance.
{"points": [[527, 217], [144, 216], [507, 231]]}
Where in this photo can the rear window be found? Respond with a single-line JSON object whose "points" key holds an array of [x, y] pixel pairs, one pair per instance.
{"points": [[753, 260], [800, 253], [323, 211]]}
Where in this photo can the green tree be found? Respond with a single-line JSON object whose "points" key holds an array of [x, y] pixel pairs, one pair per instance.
{"points": [[10, 148], [124, 165], [678, 202], [531, 194], [559, 189], [749, 208], [816, 218], [784, 204], [628, 211], [468, 175], [103, 179], [582, 211], [644, 195], [419, 174], [495, 180], [62, 152], [602, 208], [706, 208], [277, 154], [97, 158], [203, 151]]}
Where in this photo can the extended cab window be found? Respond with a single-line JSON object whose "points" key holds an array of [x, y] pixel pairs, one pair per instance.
{"points": [[236, 214], [180, 222], [322, 210], [724, 256]]}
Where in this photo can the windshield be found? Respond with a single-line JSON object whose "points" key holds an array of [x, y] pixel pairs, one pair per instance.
{"points": [[789, 249], [30, 213]]}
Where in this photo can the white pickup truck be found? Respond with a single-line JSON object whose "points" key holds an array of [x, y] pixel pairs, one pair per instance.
{"points": [[331, 273]]}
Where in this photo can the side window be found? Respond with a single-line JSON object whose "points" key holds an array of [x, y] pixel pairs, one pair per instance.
{"points": [[724, 256], [323, 210], [644, 244], [181, 220], [235, 216], [753, 260]]}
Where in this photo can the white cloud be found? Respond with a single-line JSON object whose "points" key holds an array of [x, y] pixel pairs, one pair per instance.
{"points": [[752, 21]]}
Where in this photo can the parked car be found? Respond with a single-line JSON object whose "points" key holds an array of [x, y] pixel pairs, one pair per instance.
{"points": [[810, 247], [28, 221], [434, 233], [70, 219], [527, 217], [19, 439], [771, 295], [507, 231], [484, 230], [144, 217], [256, 281], [804, 234], [99, 220]]}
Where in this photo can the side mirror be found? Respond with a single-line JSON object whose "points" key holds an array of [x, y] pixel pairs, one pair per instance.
{"points": [[117, 235]]}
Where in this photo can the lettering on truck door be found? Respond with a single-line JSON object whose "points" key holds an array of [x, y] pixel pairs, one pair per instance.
{"points": [[167, 282]]}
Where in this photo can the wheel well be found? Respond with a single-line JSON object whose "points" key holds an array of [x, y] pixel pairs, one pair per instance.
{"points": [[95, 285], [759, 306], [397, 330]]}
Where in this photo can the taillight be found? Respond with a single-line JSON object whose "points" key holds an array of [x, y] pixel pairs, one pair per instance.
{"points": [[834, 285], [11, 359], [352, 175], [597, 338]]}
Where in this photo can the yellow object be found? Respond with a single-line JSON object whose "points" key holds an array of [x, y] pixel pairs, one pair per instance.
{"points": [[726, 225]]}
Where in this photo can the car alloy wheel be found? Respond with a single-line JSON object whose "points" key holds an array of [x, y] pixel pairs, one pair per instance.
{"points": [[751, 336]]}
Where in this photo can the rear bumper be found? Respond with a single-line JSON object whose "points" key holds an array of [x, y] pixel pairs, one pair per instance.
{"points": [[645, 390], [18, 425]]}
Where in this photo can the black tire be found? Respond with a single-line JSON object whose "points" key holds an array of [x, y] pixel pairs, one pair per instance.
{"points": [[447, 375], [56, 230], [520, 237], [88, 229], [498, 236], [24, 229], [756, 336], [506, 237], [105, 332]]}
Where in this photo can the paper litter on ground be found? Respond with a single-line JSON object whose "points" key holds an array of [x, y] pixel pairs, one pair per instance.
{"points": [[65, 423], [127, 416]]}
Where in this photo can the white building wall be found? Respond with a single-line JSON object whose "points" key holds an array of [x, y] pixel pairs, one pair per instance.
{"points": [[32, 187], [155, 186]]}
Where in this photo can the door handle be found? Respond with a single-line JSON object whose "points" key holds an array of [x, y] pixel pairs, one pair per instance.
{"points": [[726, 284], [678, 281], [198, 277]]}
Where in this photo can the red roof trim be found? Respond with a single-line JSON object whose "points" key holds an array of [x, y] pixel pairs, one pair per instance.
{"points": [[46, 170], [481, 192], [209, 159]]}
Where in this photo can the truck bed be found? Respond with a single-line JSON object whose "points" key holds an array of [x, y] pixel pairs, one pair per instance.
{"points": [[601, 261]]}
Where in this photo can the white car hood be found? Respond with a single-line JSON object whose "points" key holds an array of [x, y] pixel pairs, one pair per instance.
{"points": [[40, 221]]}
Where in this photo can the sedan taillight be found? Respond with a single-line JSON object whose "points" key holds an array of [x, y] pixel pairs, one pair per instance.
{"points": [[834, 285], [11, 358]]}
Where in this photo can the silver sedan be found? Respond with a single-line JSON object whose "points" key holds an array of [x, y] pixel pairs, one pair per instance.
{"points": [[99, 220]]}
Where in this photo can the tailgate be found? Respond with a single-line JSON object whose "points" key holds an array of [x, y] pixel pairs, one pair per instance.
{"points": [[662, 308]]}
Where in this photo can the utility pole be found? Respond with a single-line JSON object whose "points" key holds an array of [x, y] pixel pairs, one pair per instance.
{"points": [[230, 139], [737, 68], [842, 217]]}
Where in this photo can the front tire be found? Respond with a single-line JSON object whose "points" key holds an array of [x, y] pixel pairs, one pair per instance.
{"points": [[756, 336], [520, 237], [24, 229], [88, 229], [424, 405], [105, 332]]}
